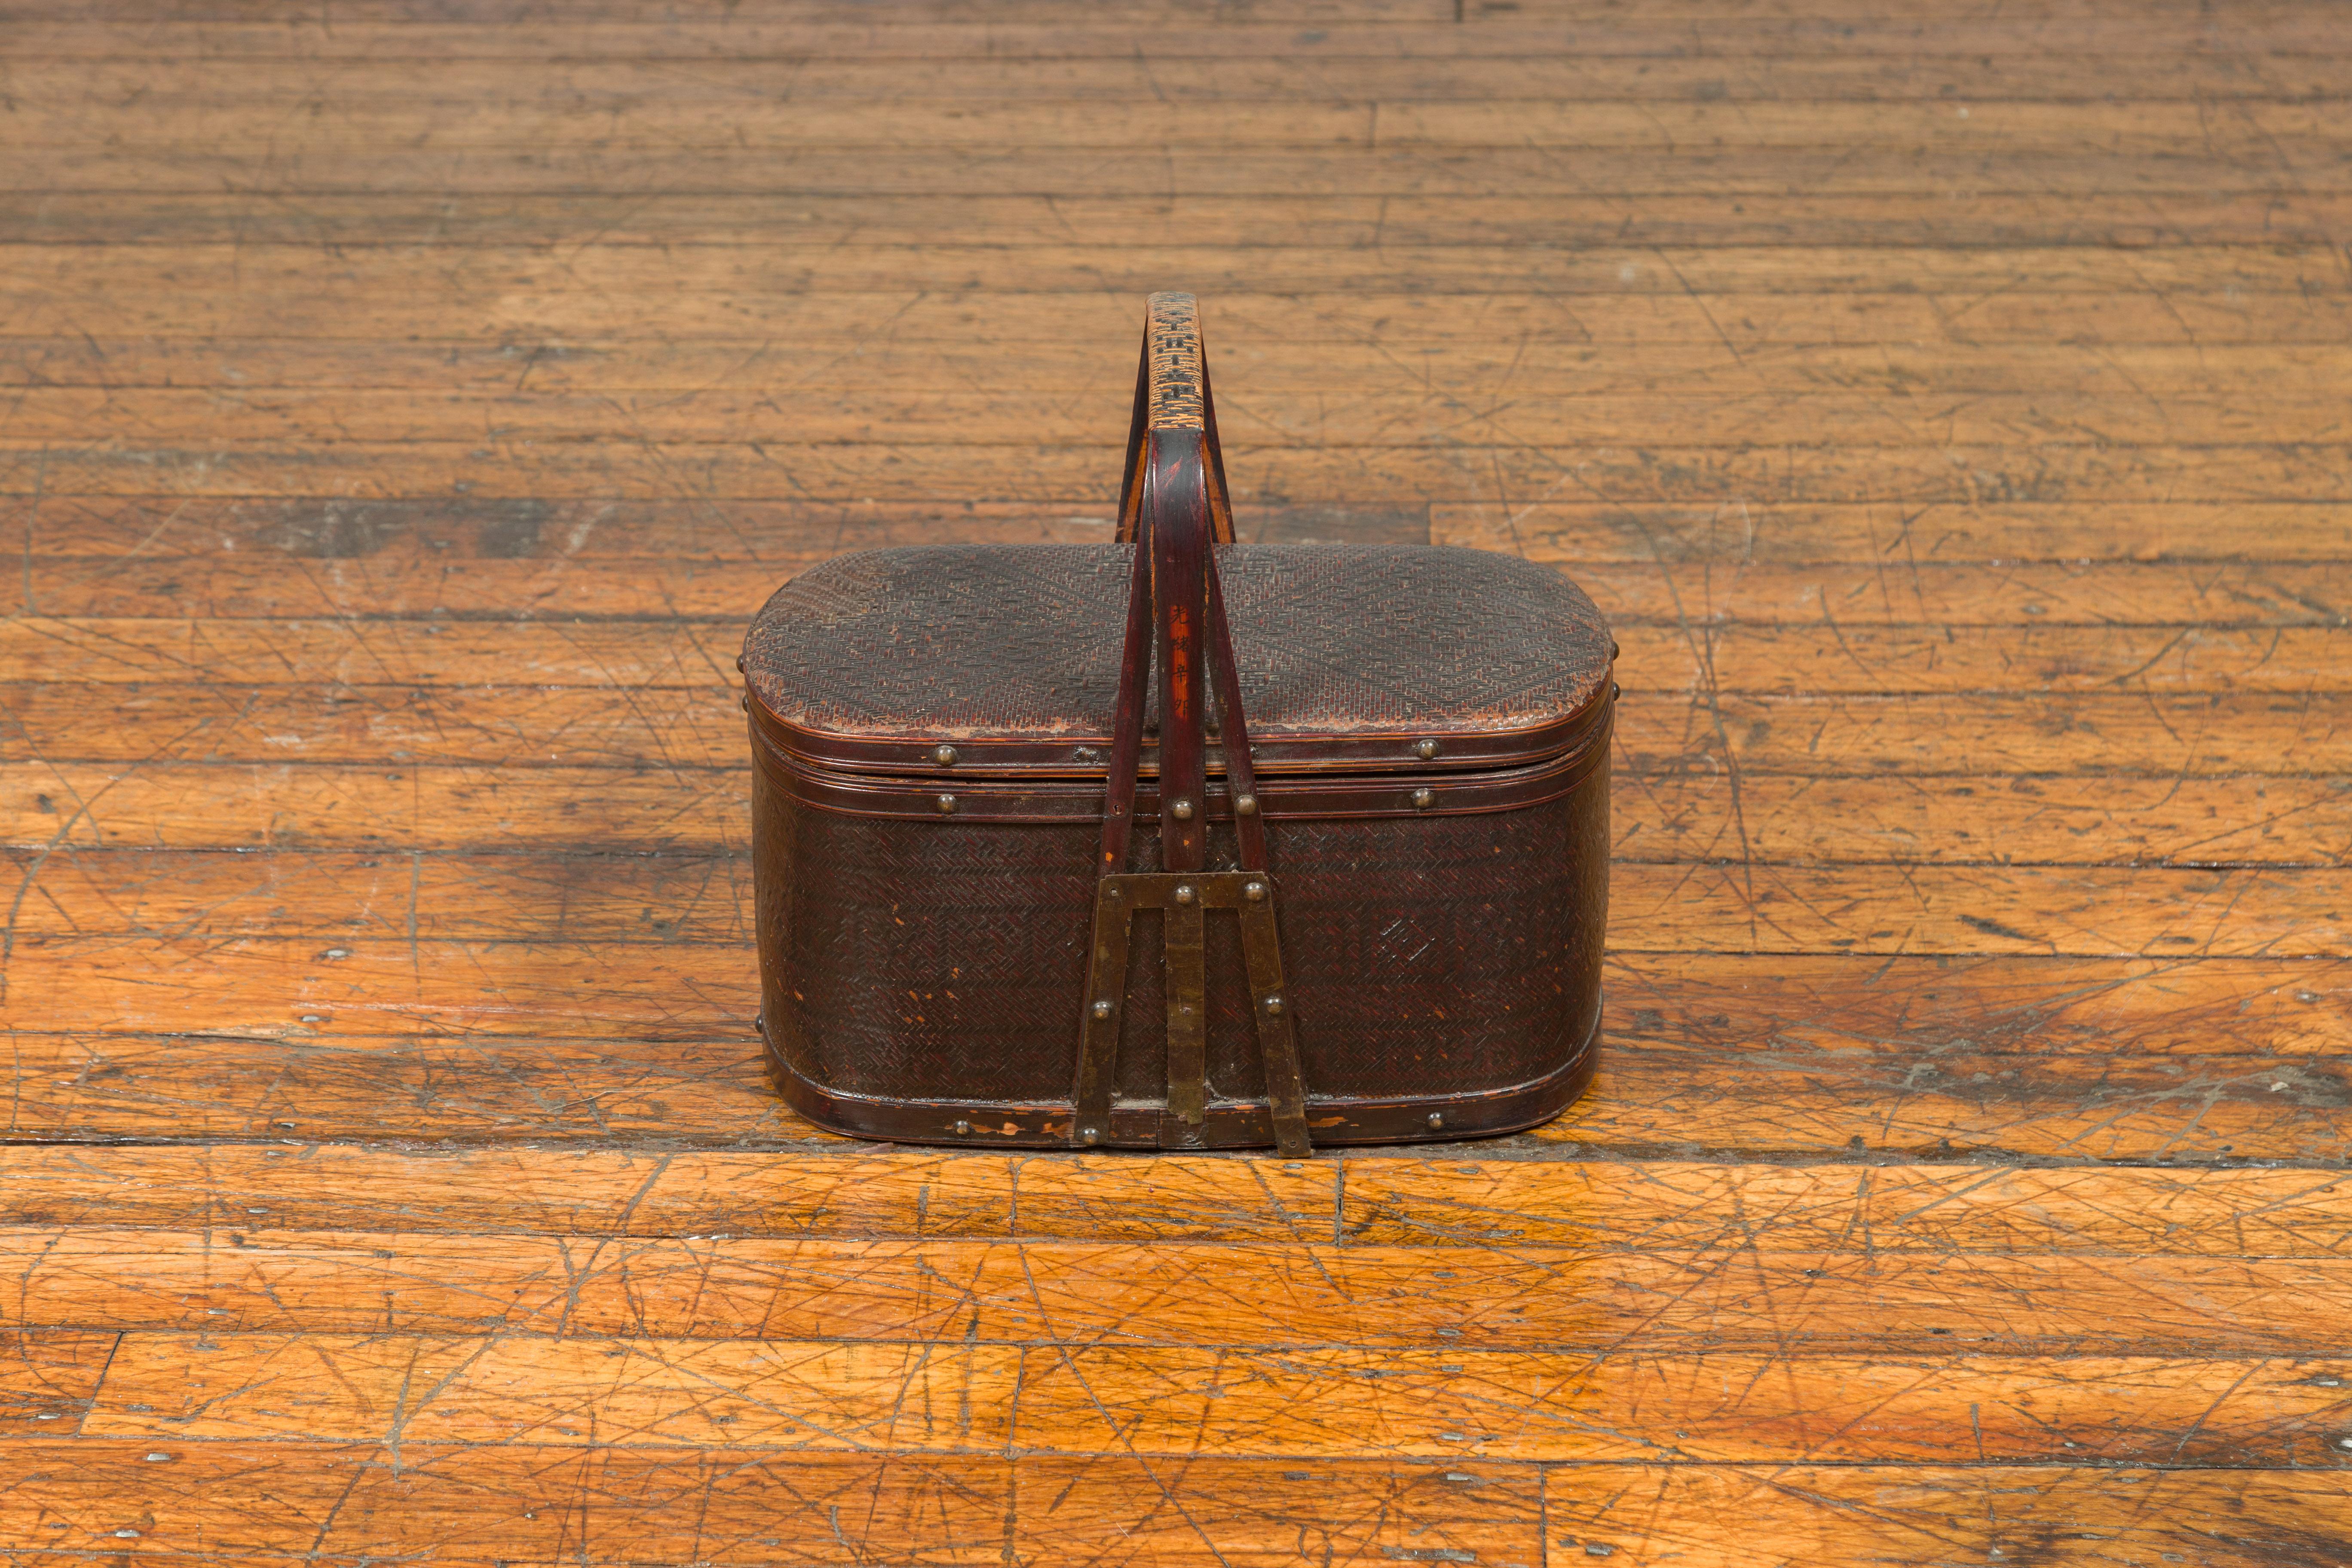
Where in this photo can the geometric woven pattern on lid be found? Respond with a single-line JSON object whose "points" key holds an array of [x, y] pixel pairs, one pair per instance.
{"points": [[1022, 642]]}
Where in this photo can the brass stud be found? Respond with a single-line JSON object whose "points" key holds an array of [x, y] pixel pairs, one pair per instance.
{"points": [[1102, 1009], [1274, 1007], [946, 803], [945, 756], [1424, 750], [746, 701], [1244, 805], [1615, 691], [1422, 799], [1254, 891], [1435, 1120], [963, 1129], [1088, 1135], [738, 664], [1180, 810], [1612, 647], [1184, 894]]}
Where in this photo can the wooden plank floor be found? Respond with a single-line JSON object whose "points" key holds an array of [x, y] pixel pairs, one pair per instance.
{"points": [[406, 402]]}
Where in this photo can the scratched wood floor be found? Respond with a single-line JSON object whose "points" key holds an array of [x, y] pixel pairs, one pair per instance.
{"points": [[407, 401]]}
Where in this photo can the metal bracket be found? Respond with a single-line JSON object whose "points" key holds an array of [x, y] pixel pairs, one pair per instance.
{"points": [[1185, 896]]}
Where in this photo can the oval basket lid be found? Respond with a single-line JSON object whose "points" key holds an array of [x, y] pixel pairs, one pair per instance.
{"points": [[1351, 656]]}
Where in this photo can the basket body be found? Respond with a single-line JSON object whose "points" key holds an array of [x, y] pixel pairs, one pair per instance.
{"points": [[931, 730]]}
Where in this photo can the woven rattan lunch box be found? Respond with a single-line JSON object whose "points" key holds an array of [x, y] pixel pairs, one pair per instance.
{"points": [[1174, 842]]}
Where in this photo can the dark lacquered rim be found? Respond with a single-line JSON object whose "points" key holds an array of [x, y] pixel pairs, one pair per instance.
{"points": [[951, 796], [1086, 756], [1239, 1125]]}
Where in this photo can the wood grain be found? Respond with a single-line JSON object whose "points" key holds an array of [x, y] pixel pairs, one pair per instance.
{"points": [[526, 335], [2102, 679], [2025, 835], [828, 1397], [618, 1189], [265, 1501], [1474, 1197], [903, 344], [1859, 1514], [403, 405], [1411, 29], [2055, 739], [1908, 593], [256, 1280], [1681, 1097], [498, 1505], [261, 990], [758, 122], [1662, 904], [2083, 471], [645, 898], [48, 1379], [1260, 419], [208, 533], [211, 286], [1930, 195], [821, 1396], [220, 802], [1303, 67]]}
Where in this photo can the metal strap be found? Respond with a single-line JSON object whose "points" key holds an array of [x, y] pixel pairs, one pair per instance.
{"points": [[1185, 931], [1183, 899], [1277, 1042], [1105, 1000]]}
